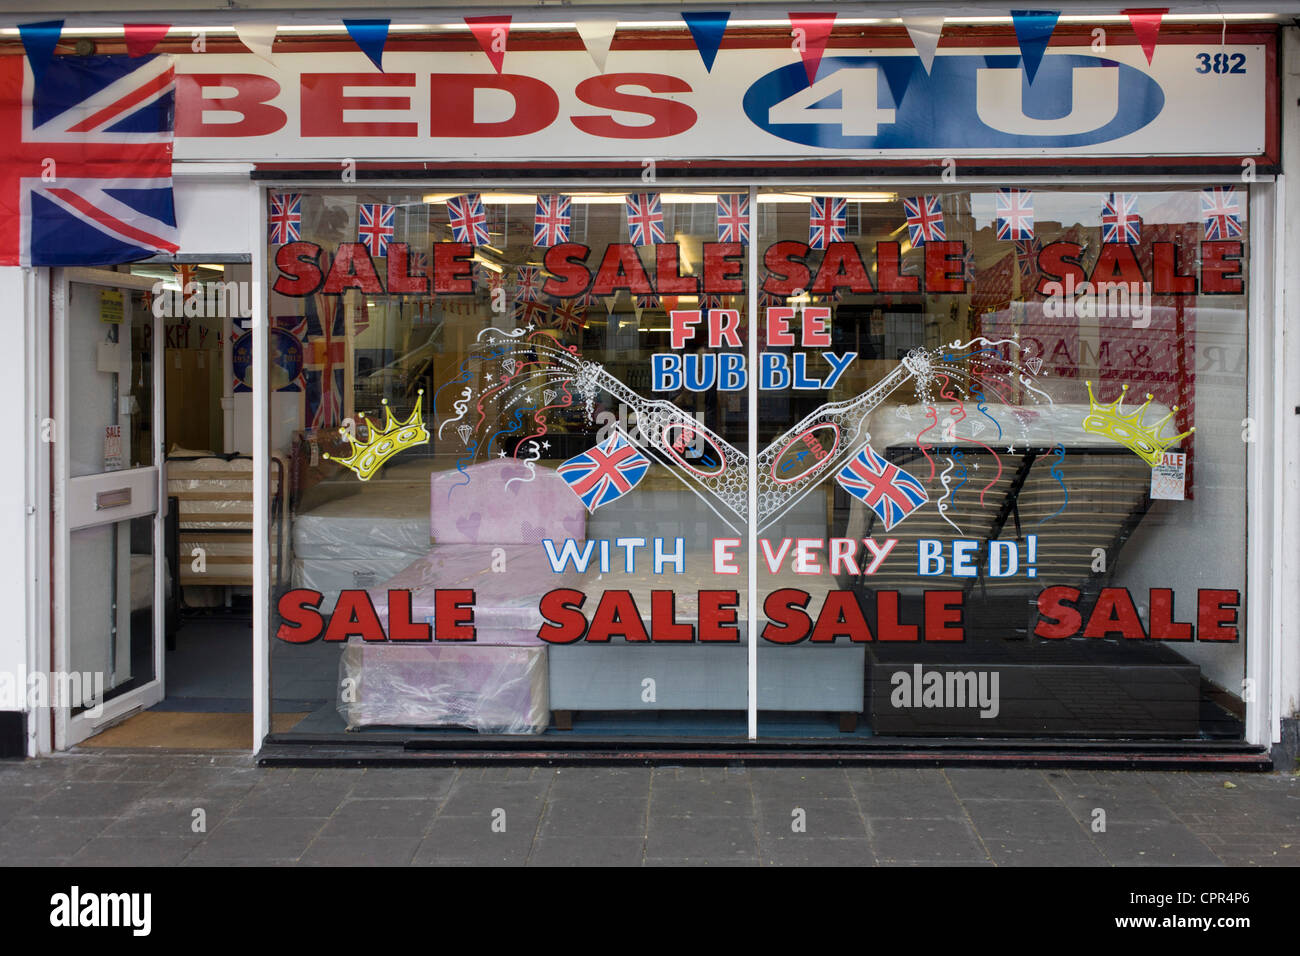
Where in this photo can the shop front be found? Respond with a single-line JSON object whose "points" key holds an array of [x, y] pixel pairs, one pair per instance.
{"points": [[756, 403]]}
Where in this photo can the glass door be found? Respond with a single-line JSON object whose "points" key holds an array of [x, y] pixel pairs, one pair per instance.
{"points": [[109, 575]]}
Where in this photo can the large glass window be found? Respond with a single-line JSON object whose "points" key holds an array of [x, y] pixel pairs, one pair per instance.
{"points": [[1000, 487]]}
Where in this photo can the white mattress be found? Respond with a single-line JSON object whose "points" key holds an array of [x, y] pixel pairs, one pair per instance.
{"points": [[382, 518], [1039, 425]]}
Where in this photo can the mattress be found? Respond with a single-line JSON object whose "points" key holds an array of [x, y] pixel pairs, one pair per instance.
{"points": [[383, 519], [214, 493], [504, 600], [142, 581], [1040, 426]]}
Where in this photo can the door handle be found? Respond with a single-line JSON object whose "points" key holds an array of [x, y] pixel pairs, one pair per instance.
{"points": [[112, 499]]}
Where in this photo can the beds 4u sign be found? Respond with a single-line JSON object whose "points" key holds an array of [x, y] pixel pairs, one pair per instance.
{"points": [[553, 104], [966, 102]]}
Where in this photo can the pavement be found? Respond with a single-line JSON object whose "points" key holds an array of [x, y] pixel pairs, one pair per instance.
{"points": [[193, 809]]}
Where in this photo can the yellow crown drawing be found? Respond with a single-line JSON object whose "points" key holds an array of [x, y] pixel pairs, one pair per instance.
{"points": [[383, 443], [1128, 429]]}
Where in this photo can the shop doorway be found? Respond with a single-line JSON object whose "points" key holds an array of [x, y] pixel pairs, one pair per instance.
{"points": [[179, 418]]}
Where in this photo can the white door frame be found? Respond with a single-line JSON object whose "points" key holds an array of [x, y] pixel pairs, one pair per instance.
{"points": [[70, 729]]}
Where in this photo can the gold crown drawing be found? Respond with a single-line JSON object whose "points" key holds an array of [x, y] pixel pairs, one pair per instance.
{"points": [[1129, 429], [383, 443]]}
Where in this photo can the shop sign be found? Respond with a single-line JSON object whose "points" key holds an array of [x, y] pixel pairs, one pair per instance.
{"points": [[755, 103]]}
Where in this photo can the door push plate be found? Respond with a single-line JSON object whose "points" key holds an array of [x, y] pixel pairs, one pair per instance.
{"points": [[112, 499]]}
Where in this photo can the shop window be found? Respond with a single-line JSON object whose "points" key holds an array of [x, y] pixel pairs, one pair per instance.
{"points": [[1001, 479]]}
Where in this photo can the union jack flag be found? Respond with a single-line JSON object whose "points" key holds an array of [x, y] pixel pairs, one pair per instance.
{"points": [[375, 228], [645, 219], [886, 489], [827, 216], [647, 301], [103, 126], [1027, 251], [710, 302], [924, 218], [528, 284], [468, 220], [551, 222], [606, 472], [536, 314], [1015, 214], [1119, 219], [568, 317], [1221, 212], [325, 355], [285, 218], [733, 218]]}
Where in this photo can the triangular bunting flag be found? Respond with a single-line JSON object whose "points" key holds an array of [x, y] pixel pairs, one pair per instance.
{"points": [[924, 32], [141, 38], [898, 74], [491, 33], [1146, 24], [597, 35], [816, 30], [707, 30], [39, 40], [1033, 33], [370, 36], [258, 36]]}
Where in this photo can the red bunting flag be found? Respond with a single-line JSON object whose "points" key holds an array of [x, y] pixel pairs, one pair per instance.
{"points": [[141, 38], [811, 31], [1146, 24], [491, 33]]}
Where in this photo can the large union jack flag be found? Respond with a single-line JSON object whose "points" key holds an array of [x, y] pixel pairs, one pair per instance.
{"points": [[375, 227], [827, 218], [1221, 212], [733, 218], [284, 221], [886, 489], [86, 161], [468, 220], [606, 472], [1119, 219], [551, 221], [1015, 214], [924, 218], [531, 314], [645, 219]]}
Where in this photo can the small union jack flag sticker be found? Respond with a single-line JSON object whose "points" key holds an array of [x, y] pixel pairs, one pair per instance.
{"points": [[885, 488], [1221, 212], [528, 284], [733, 218], [551, 221], [1027, 251], [375, 227], [827, 219], [648, 301], [645, 219], [468, 220], [606, 472], [285, 218], [924, 218], [568, 317], [1015, 214], [1119, 219]]}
